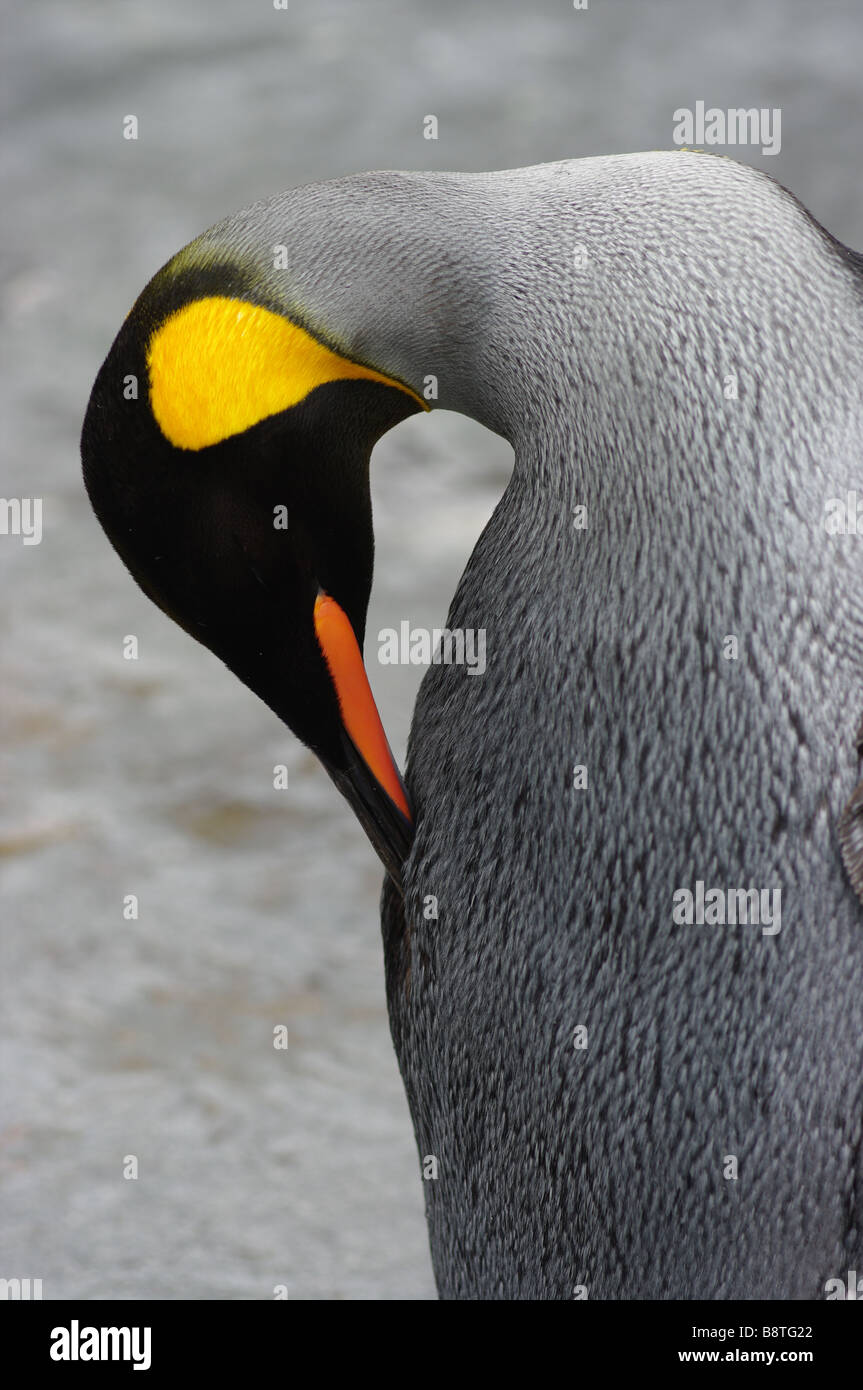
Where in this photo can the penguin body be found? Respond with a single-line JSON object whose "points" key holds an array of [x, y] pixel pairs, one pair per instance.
{"points": [[621, 1105], [620, 1102]]}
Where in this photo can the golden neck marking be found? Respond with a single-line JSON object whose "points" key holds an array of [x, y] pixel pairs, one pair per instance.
{"points": [[218, 366]]}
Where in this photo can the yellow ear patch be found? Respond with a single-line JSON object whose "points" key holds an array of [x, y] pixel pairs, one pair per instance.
{"points": [[218, 366]]}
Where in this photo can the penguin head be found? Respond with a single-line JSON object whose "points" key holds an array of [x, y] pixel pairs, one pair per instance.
{"points": [[226, 454]]}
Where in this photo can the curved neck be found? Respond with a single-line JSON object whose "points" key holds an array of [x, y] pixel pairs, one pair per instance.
{"points": [[597, 313]]}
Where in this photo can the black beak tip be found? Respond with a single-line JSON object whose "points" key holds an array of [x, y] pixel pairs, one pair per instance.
{"points": [[390, 831]]}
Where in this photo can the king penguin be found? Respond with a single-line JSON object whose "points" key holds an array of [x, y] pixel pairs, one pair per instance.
{"points": [[622, 936]]}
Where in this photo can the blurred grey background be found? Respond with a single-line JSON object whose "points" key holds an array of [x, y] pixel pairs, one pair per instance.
{"points": [[257, 908]]}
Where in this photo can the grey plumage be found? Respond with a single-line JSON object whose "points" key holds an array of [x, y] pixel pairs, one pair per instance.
{"points": [[604, 1168], [596, 313]]}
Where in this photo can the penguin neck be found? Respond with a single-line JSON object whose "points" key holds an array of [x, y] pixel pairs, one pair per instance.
{"points": [[637, 327]]}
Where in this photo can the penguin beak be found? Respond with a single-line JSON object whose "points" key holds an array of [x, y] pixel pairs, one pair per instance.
{"points": [[370, 781]]}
